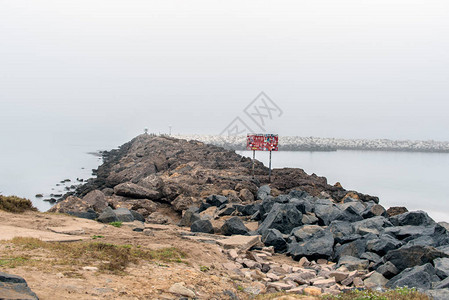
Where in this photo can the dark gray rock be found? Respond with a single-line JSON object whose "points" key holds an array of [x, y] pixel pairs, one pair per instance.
{"points": [[371, 225], [403, 232], [356, 206], [425, 240], [227, 210], [89, 214], [203, 207], [216, 200], [442, 267], [415, 218], [248, 210], [407, 257], [371, 256], [189, 216], [274, 237], [303, 205], [266, 206], [263, 192], [374, 211], [326, 213], [15, 287], [417, 277], [319, 245], [444, 284], [234, 226], [341, 230], [355, 248], [283, 217], [137, 216], [124, 215], [440, 294], [297, 194], [353, 263], [204, 226], [350, 214], [388, 270], [107, 216], [444, 249], [383, 244]]}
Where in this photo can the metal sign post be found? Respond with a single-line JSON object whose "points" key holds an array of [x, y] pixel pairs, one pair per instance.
{"points": [[269, 172], [254, 160]]}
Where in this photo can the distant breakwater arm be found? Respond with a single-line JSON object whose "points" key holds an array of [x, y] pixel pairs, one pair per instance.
{"points": [[296, 143]]}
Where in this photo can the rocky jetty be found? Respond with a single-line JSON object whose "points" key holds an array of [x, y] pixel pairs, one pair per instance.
{"points": [[297, 143], [342, 239]]}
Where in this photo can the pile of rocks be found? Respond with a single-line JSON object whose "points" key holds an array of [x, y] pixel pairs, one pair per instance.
{"points": [[407, 249], [302, 277]]}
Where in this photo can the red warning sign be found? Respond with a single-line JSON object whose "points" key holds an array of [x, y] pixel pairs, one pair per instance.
{"points": [[262, 142]]}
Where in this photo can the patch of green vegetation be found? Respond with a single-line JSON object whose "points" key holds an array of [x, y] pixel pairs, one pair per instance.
{"points": [[15, 204], [204, 268], [400, 293], [240, 288], [12, 262], [116, 224], [94, 237], [108, 257]]}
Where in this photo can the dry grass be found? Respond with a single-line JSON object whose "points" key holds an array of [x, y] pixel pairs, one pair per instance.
{"points": [[402, 293], [15, 204], [107, 257]]}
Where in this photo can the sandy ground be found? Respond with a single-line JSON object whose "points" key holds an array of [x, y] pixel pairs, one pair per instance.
{"points": [[147, 280]]}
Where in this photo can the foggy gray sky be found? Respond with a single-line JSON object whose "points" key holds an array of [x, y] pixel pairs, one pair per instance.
{"points": [[352, 69]]}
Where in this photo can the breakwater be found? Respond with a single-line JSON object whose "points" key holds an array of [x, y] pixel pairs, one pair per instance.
{"points": [[297, 143]]}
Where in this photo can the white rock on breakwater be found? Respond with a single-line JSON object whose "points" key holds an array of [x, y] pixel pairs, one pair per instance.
{"points": [[296, 143]]}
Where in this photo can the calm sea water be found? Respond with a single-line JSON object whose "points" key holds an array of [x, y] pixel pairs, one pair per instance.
{"points": [[418, 181], [414, 180]]}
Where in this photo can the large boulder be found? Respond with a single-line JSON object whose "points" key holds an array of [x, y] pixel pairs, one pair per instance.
{"points": [[15, 287], [263, 192], [343, 231], [204, 226], [283, 217], [132, 190], [326, 213], [383, 244], [417, 277], [234, 226], [388, 270], [355, 248], [317, 245], [123, 215], [97, 200], [374, 211], [407, 257], [442, 267], [415, 218], [374, 225], [189, 216], [274, 237], [107, 216]]}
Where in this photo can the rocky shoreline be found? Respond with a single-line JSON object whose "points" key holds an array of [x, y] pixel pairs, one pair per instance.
{"points": [[341, 239], [296, 143]]}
